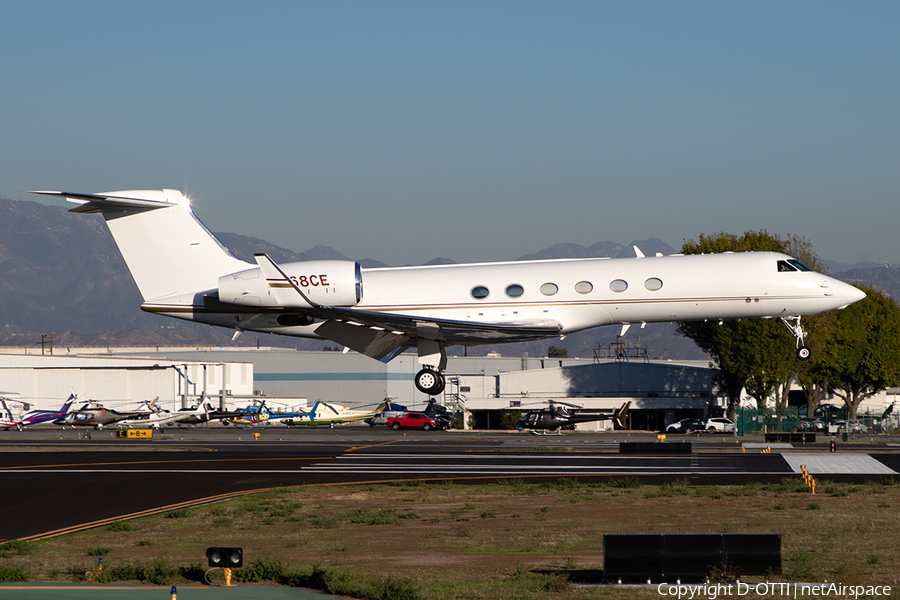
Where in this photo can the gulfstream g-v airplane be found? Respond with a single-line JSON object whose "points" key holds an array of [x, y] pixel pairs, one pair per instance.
{"points": [[183, 271]]}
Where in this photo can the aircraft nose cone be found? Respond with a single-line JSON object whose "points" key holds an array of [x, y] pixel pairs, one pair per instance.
{"points": [[850, 294]]}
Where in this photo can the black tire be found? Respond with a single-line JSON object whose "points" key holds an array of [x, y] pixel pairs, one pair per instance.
{"points": [[427, 426], [429, 381], [803, 353], [395, 426]]}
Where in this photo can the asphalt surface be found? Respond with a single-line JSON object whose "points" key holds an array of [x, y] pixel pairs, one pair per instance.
{"points": [[53, 482], [47, 591]]}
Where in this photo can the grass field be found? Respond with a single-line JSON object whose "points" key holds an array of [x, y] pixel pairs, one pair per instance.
{"points": [[507, 540]]}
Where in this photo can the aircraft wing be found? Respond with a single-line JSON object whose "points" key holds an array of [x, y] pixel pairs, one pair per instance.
{"points": [[382, 335]]}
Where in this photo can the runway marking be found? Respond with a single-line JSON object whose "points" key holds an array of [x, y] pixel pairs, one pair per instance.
{"points": [[26, 468], [352, 448], [537, 471], [219, 498], [150, 472], [144, 513], [861, 464]]}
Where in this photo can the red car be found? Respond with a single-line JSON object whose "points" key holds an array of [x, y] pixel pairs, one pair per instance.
{"points": [[414, 420]]}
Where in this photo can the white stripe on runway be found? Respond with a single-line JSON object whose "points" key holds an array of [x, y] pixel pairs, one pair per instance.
{"points": [[854, 464]]}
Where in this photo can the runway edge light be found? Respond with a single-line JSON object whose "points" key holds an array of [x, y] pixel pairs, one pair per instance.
{"points": [[227, 558]]}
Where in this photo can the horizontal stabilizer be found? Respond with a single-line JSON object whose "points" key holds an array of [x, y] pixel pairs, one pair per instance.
{"points": [[169, 252], [111, 201]]}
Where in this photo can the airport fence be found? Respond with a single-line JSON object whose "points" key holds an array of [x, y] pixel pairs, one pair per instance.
{"points": [[754, 420]]}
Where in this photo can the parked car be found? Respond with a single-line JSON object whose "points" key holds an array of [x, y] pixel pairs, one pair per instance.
{"points": [[413, 420], [872, 425], [686, 426], [850, 426], [810, 424], [720, 424]]}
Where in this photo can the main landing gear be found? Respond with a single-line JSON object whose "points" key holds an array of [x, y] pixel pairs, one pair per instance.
{"points": [[432, 357], [803, 352], [430, 382]]}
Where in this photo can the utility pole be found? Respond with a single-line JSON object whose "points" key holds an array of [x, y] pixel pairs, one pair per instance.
{"points": [[44, 343]]}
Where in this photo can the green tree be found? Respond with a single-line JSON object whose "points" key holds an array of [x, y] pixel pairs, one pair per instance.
{"points": [[862, 356], [509, 418], [554, 352]]}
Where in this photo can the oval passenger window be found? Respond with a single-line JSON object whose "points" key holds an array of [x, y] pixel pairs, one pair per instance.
{"points": [[618, 285], [515, 290]]}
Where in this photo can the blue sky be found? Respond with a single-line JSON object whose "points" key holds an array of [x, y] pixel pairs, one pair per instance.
{"points": [[404, 131]]}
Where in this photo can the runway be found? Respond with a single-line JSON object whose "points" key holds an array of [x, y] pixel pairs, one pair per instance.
{"points": [[51, 486]]}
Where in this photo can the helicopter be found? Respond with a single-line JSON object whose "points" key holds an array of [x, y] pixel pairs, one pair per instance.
{"points": [[559, 414]]}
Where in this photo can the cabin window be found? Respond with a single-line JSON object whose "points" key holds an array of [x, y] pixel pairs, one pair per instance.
{"points": [[584, 287], [549, 289], [800, 266], [785, 267], [653, 284], [480, 292], [618, 285], [515, 290]]}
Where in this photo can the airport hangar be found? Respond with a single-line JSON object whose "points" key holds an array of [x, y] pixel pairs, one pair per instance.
{"points": [[660, 391]]}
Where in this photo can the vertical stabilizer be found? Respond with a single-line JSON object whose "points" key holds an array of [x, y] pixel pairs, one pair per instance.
{"points": [[167, 249]]}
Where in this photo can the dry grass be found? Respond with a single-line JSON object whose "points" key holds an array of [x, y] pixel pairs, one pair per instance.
{"points": [[490, 541]]}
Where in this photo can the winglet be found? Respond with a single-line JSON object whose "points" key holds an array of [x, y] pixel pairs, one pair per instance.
{"points": [[281, 286]]}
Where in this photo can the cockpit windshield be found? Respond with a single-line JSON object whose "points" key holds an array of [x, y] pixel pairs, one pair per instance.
{"points": [[800, 266], [785, 267], [791, 264]]}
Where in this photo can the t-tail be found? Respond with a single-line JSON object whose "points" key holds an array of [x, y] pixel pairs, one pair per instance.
{"points": [[169, 252]]}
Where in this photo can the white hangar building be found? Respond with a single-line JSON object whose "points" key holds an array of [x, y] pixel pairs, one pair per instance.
{"points": [[660, 391], [119, 382]]}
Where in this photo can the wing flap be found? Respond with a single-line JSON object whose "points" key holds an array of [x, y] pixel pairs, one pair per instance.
{"points": [[373, 343], [448, 330]]}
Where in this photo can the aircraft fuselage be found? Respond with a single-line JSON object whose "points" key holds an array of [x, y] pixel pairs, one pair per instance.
{"points": [[576, 293]]}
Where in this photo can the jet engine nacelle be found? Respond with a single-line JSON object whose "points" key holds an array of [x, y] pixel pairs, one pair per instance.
{"points": [[326, 282]]}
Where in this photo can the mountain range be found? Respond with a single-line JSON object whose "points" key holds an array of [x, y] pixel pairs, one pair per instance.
{"points": [[61, 272]]}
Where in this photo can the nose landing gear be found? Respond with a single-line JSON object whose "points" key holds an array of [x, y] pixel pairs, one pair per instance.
{"points": [[803, 352]]}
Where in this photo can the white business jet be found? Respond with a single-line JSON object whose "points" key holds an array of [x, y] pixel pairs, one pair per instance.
{"points": [[183, 271]]}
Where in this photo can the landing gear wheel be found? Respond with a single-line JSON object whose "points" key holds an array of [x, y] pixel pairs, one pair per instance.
{"points": [[429, 381], [803, 353]]}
